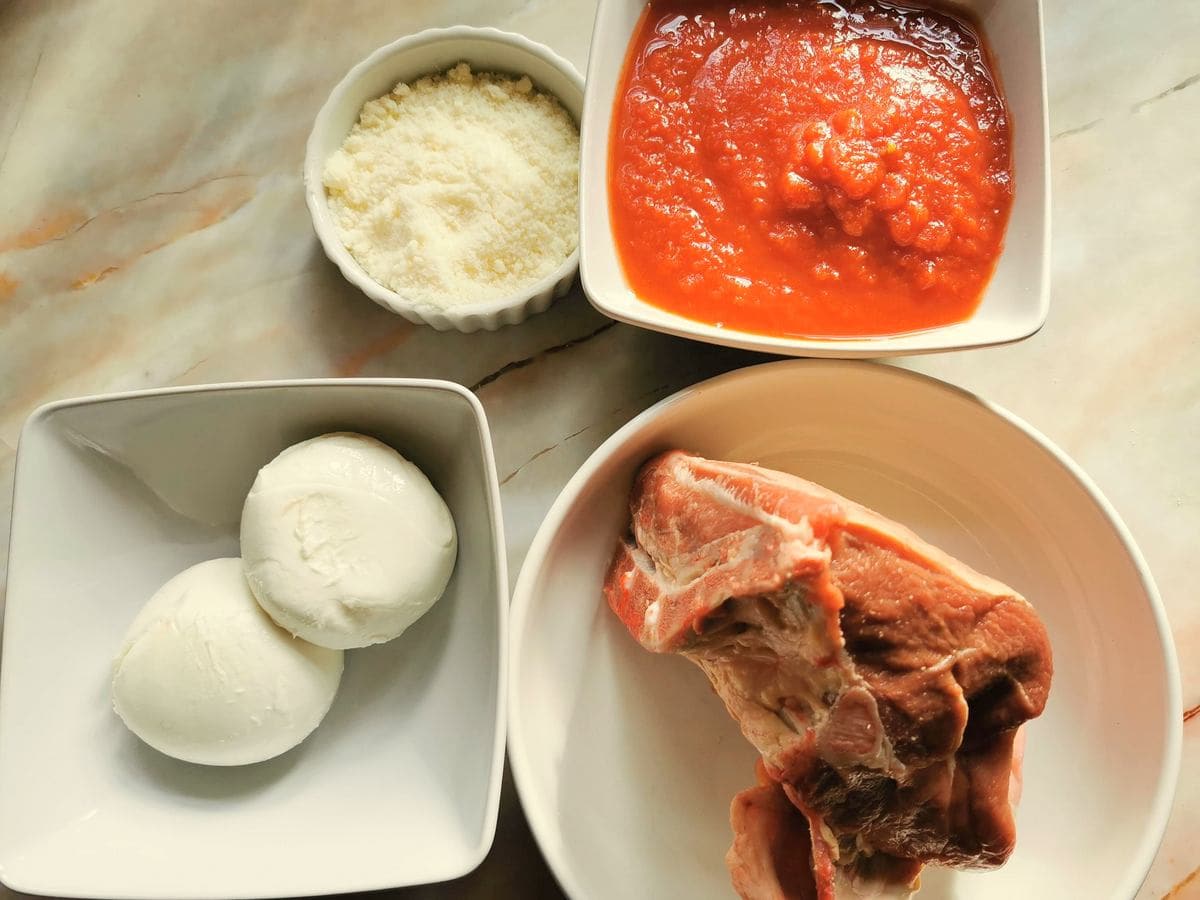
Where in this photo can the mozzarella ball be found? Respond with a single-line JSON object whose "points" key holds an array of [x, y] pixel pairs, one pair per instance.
{"points": [[205, 676], [345, 542]]}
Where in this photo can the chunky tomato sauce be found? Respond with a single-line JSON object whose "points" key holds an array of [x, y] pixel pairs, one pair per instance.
{"points": [[826, 168]]}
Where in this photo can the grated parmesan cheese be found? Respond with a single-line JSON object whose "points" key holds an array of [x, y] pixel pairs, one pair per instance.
{"points": [[459, 188]]}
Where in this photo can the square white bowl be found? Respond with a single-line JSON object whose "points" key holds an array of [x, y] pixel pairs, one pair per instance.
{"points": [[400, 785], [1016, 300]]}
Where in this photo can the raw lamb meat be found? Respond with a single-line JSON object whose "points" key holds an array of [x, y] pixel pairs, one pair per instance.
{"points": [[882, 681]]}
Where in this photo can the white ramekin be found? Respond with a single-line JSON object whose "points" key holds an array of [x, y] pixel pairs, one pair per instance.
{"points": [[435, 50]]}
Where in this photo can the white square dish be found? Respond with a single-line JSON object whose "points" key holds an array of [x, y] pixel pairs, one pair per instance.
{"points": [[400, 784], [1016, 301]]}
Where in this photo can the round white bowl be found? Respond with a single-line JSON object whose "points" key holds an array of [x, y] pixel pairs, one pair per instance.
{"points": [[625, 760], [424, 53]]}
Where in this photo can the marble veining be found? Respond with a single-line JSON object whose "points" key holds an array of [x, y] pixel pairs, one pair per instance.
{"points": [[153, 232]]}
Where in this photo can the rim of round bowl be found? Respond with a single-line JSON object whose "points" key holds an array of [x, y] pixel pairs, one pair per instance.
{"points": [[491, 314]]}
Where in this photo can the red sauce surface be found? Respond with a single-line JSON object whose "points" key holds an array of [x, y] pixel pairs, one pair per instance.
{"points": [[825, 168]]}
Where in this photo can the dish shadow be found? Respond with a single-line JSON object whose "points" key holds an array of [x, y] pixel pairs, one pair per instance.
{"points": [[391, 679], [118, 475], [363, 336], [665, 731], [938, 884], [205, 784]]}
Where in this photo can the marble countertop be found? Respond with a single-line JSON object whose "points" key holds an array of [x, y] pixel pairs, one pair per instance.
{"points": [[153, 232]]}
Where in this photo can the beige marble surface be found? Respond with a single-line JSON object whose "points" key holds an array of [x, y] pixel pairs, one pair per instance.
{"points": [[152, 232]]}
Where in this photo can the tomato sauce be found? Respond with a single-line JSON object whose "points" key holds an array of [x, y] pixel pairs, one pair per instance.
{"points": [[821, 168]]}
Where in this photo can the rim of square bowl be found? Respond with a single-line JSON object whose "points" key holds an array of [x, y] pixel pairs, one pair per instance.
{"points": [[543, 827], [489, 314]]}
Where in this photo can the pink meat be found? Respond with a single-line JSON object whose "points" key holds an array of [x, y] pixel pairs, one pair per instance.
{"points": [[770, 856], [881, 680]]}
